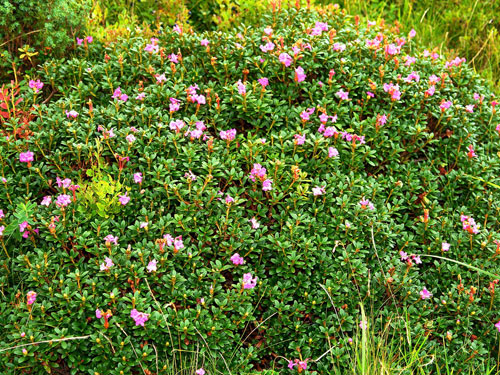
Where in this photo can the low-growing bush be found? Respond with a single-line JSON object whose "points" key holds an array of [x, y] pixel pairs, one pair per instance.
{"points": [[240, 195]]}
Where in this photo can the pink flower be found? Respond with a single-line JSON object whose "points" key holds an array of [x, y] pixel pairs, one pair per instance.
{"points": [[363, 324], [178, 244], [469, 108], [200, 371], [285, 59], [160, 78], [471, 154], [63, 200], [173, 58], [31, 297], [299, 139], [2, 228], [140, 96], [305, 115], [204, 42], [365, 203], [393, 90], [412, 76], [242, 89], [498, 326], [228, 135], [330, 131], [152, 48], [138, 178], [343, 95], [332, 152], [152, 266], [124, 199], [35, 85], [79, 41], [339, 47], [130, 138], [139, 317], [177, 125], [263, 81], [425, 294], [323, 118], [445, 246], [26, 157], [72, 113], [110, 239], [269, 46], [412, 34], [46, 200], [174, 105], [403, 255], [318, 190], [299, 75], [302, 365], [98, 314], [229, 199], [257, 171], [430, 91], [291, 365], [237, 259], [2, 215], [381, 120], [255, 223], [108, 263], [89, 39], [248, 281], [267, 185], [469, 224], [445, 105], [268, 30]]}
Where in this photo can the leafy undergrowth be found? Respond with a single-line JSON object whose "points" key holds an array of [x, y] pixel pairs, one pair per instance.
{"points": [[242, 195]]}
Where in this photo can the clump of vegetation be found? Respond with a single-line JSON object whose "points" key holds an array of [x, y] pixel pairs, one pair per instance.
{"points": [[242, 195]]}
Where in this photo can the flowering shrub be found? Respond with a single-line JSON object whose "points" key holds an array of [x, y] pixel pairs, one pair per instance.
{"points": [[240, 194]]}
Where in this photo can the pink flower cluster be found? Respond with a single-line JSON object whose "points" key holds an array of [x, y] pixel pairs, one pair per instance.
{"points": [[153, 46], [301, 365], [35, 85], [108, 263], [469, 224], [194, 96], [228, 135], [31, 297], [366, 204], [249, 282], [393, 90], [237, 259], [117, 94], [26, 157], [139, 317], [409, 259]]}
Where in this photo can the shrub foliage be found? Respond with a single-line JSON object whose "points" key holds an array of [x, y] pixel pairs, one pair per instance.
{"points": [[336, 159]]}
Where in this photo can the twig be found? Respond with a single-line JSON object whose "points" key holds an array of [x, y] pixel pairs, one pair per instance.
{"points": [[46, 342]]}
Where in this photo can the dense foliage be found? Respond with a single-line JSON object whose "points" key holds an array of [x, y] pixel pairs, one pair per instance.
{"points": [[245, 192]]}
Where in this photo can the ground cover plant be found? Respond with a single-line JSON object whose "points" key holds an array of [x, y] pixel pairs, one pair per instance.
{"points": [[263, 198]]}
